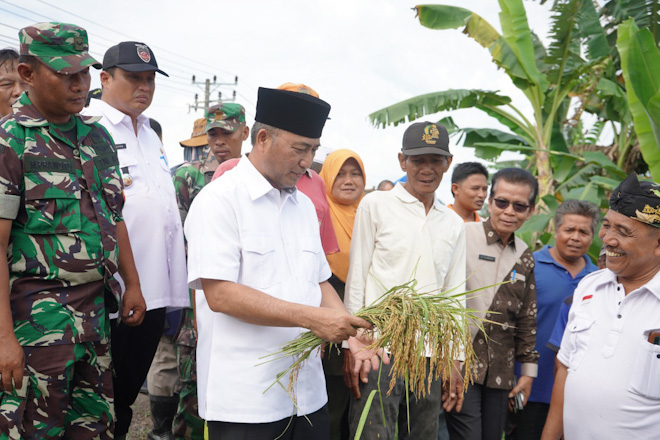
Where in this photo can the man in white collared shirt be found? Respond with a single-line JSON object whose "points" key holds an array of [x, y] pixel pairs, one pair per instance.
{"points": [[398, 235], [150, 211], [607, 383], [254, 249]]}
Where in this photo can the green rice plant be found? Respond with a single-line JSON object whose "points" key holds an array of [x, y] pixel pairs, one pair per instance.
{"points": [[412, 326]]}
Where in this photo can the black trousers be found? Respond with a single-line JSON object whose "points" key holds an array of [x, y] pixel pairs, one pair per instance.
{"points": [[528, 424], [297, 428], [482, 417], [132, 349]]}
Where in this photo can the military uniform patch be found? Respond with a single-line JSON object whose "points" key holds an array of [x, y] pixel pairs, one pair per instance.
{"points": [[78, 43]]}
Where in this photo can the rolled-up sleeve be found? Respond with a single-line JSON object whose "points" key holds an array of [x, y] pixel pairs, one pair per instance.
{"points": [[362, 249], [11, 176]]}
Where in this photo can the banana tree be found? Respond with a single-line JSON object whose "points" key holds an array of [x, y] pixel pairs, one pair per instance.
{"points": [[640, 63], [545, 76]]}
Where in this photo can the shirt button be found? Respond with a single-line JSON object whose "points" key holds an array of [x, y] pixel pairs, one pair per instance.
{"points": [[618, 316], [76, 153]]}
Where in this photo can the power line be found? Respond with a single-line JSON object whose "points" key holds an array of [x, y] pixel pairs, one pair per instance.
{"points": [[127, 36], [25, 9], [100, 36]]}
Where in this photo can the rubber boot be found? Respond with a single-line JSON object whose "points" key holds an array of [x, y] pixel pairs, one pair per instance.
{"points": [[163, 410]]}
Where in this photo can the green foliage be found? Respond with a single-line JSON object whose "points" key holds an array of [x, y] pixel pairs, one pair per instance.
{"points": [[640, 62], [577, 72]]}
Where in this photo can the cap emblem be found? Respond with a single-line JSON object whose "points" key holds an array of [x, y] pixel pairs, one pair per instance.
{"points": [[219, 115], [143, 52], [78, 43], [431, 133]]}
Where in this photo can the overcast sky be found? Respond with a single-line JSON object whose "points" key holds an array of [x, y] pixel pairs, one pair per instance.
{"points": [[359, 55]]}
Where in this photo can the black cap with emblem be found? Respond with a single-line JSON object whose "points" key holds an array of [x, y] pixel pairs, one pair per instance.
{"points": [[131, 56]]}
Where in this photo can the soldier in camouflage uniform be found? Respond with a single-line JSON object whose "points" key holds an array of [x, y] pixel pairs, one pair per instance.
{"points": [[225, 132], [61, 229]]}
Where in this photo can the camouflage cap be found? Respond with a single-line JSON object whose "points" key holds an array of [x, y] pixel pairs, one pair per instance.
{"points": [[227, 115], [62, 47]]}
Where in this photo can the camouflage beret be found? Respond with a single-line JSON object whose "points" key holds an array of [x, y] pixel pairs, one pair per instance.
{"points": [[637, 200], [62, 47], [227, 116]]}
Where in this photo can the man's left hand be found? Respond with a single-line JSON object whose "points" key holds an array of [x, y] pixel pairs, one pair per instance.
{"points": [[133, 306], [366, 359], [525, 385], [452, 389]]}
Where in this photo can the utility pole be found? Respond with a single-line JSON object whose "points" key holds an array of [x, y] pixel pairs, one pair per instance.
{"points": [[210, 87]]}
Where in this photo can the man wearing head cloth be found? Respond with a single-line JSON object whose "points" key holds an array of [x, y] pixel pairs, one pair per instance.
{"points": [[223, 130], [255, 251], [608, 379], [128, 78], [62, 237]]}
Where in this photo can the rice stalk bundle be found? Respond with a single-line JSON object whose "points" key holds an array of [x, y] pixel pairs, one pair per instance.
{"points": [[411, 325]]}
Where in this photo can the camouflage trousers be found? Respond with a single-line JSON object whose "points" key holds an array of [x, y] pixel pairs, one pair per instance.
{"points": [[187, 423], [66, 393]]}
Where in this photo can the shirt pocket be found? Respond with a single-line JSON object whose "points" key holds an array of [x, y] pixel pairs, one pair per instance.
{"points": [[134, 179], [52, 202], [579, 332], [259, 268], [311, 250], [645, 379]]}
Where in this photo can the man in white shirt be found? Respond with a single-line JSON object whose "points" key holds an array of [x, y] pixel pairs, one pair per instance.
{"points": [[254, 248], [398, 235], [607, 383], [150, 212]]}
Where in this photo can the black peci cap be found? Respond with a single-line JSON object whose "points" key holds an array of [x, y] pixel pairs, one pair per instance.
{"points": [[298, 113], [131, 56]]}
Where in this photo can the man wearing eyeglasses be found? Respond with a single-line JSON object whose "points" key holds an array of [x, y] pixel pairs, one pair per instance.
{"points": [[495, 255]]}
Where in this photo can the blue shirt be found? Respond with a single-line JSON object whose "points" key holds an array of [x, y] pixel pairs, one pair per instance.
{"points": [[553, 284], [560, 325]]}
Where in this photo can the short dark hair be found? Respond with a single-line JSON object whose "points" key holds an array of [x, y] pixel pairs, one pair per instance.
{"points": [[111, 71], [464, 170], [30, 60], [8, 55], [578, 207], [516, 175], [273, 131], [155, 125]]}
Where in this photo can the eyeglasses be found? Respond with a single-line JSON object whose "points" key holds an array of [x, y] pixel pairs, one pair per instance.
{"points": [[518, 207]]}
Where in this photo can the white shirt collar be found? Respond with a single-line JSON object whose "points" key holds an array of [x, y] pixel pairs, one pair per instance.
{"points": [[256, 183], [402, 194], [112, 114], [608, 277]]}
